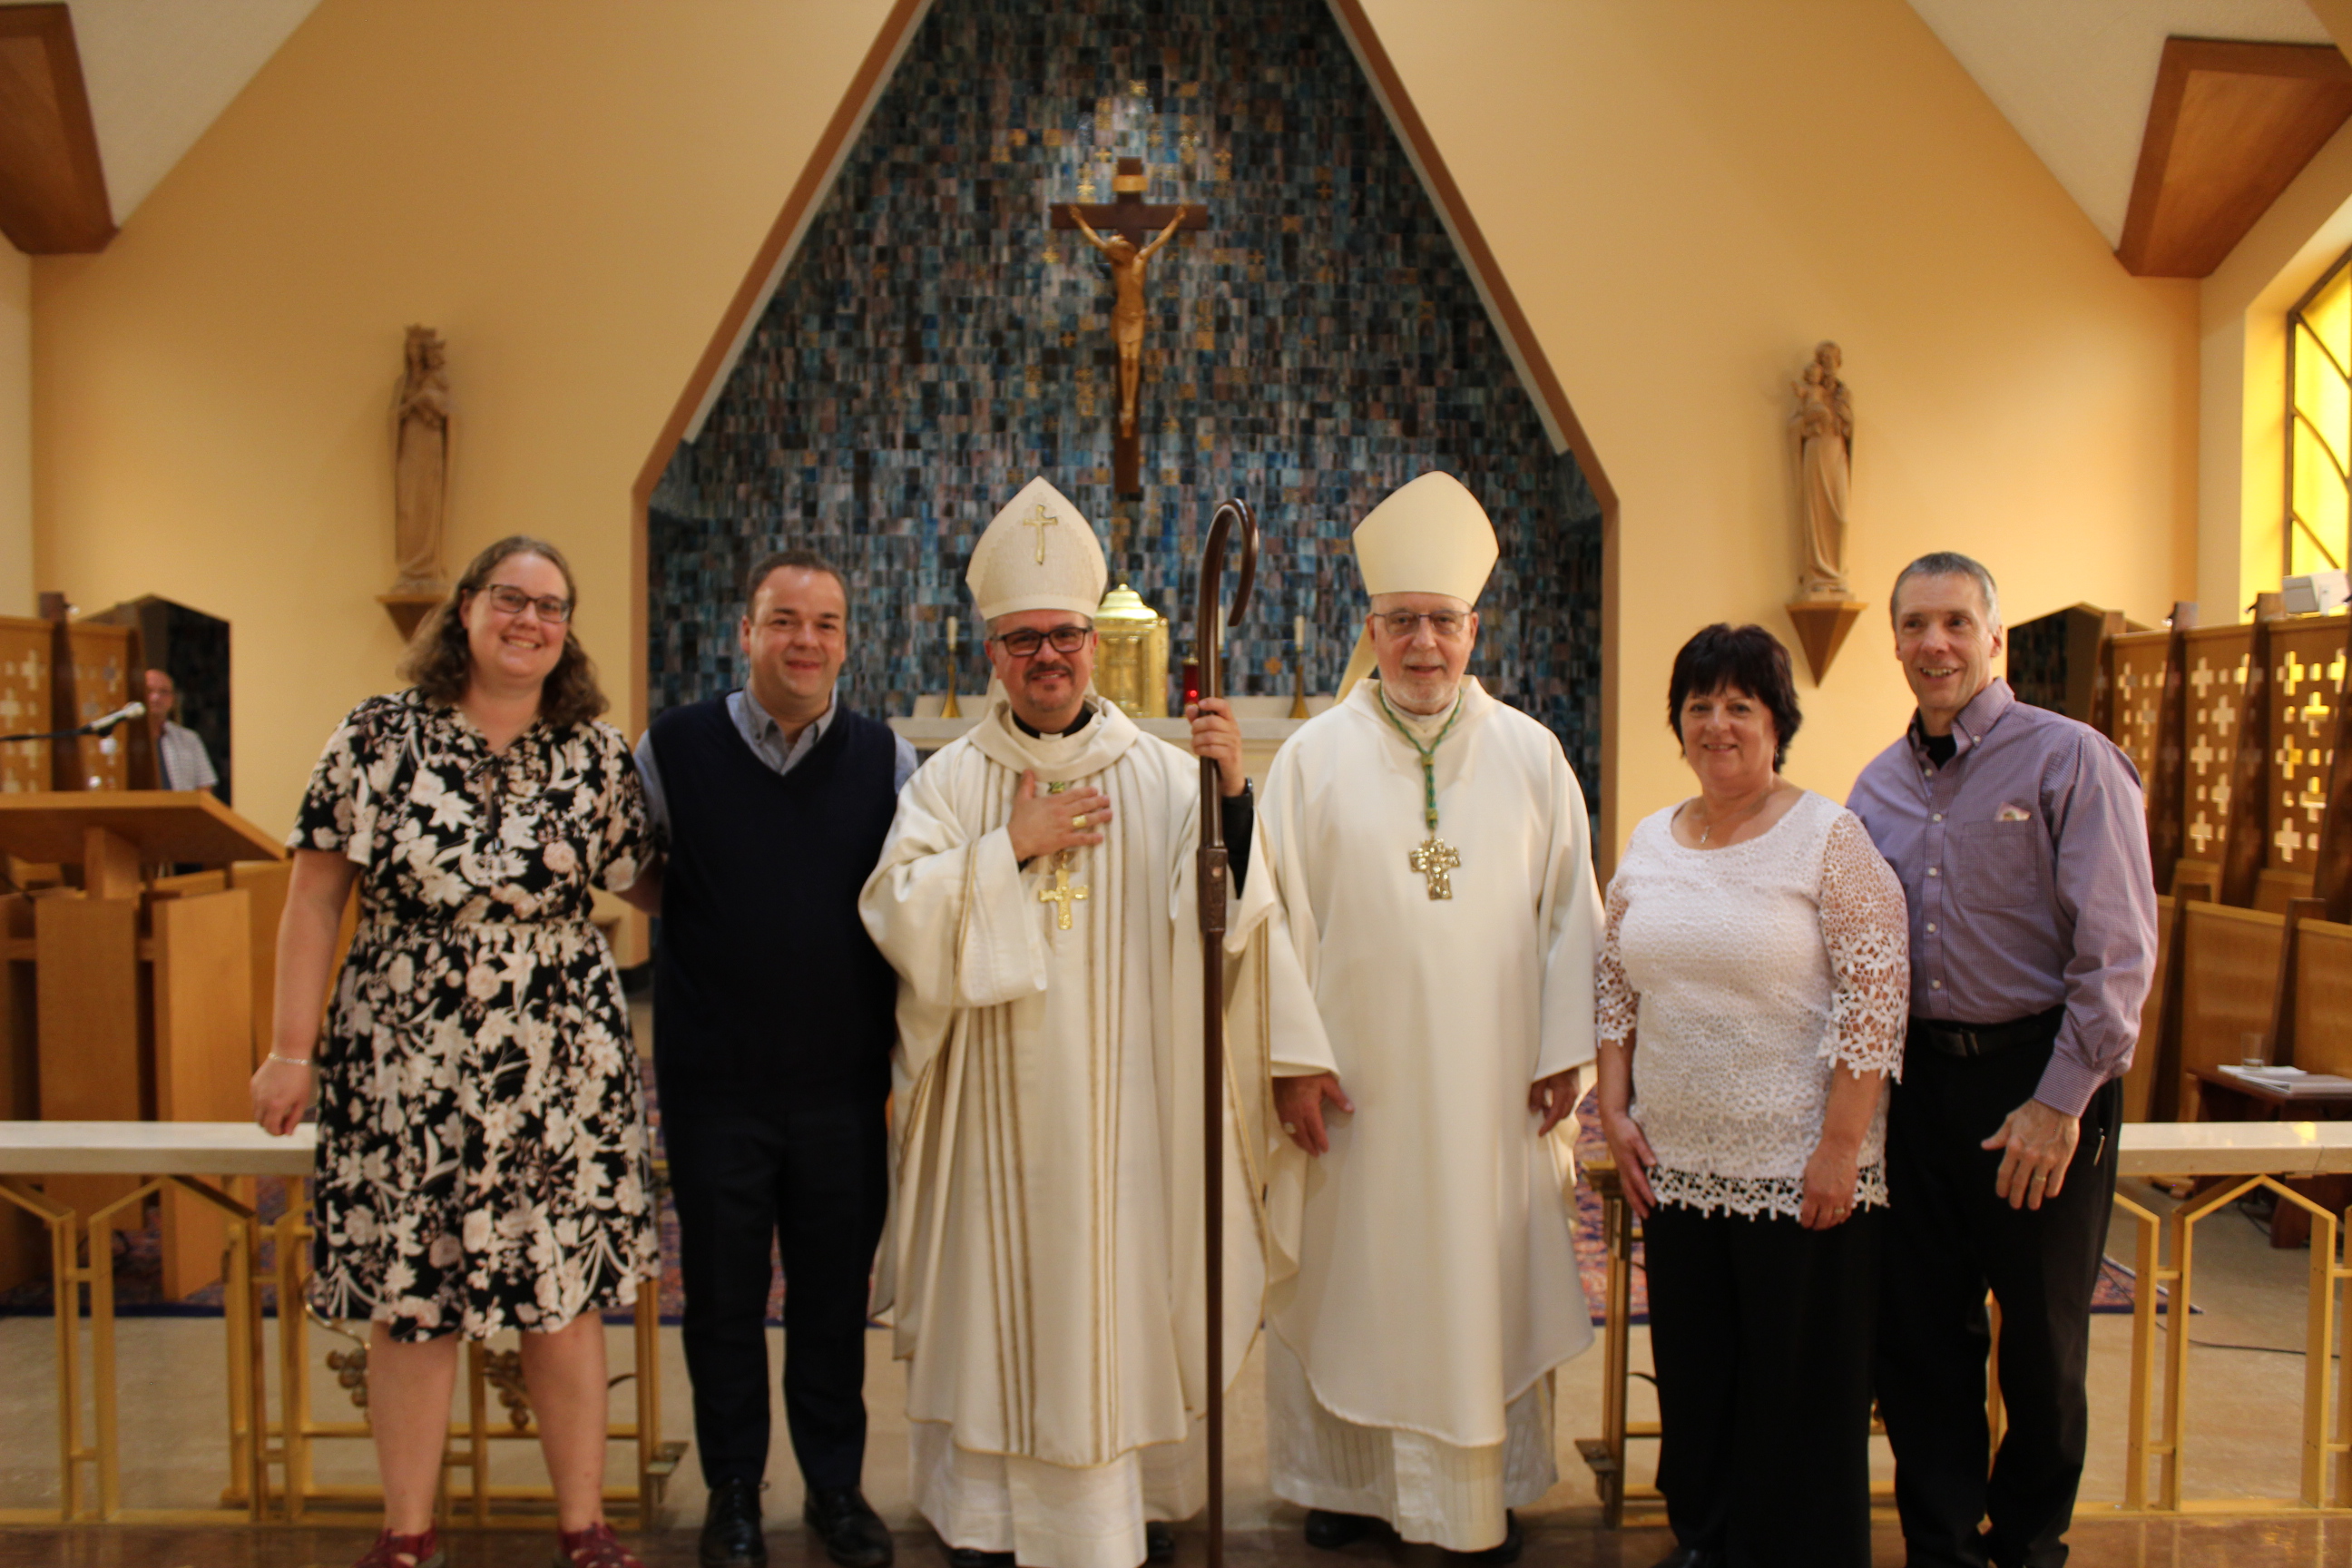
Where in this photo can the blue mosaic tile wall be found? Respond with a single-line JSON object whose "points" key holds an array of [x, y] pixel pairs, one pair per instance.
{"points": [[934, 344]]}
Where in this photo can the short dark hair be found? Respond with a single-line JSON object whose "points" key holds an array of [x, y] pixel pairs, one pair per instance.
{"points": [[440, 659], [1743, 658], [775, 561], [1948, 564]]}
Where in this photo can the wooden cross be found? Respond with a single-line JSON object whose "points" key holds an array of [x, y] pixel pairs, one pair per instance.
{"points": [[1432, 861], [1126, 215], [1061, 893]]}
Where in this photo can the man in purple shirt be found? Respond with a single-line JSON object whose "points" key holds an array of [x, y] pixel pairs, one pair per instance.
{"points": [[2020, 839]]}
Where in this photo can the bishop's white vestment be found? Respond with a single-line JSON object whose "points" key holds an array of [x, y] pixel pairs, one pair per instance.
{"points": [[1422, 1281], [1046, 1259]]}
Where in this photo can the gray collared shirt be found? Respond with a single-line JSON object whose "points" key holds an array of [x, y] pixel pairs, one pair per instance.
{"points": [[2024, 861], [766, 739], [183, 762]]}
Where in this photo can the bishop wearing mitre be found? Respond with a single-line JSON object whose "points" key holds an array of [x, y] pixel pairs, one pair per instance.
{"points": [[1047, 1258], [1423, 862]]}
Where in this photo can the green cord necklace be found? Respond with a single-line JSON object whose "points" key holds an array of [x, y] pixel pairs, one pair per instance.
{"points": [[1435, 858]]}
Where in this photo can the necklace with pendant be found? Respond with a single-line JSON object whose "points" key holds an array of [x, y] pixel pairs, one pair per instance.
{"points": [[1709, 827], [1435, 858]]}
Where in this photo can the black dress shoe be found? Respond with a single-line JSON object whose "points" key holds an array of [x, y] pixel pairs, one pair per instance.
{"points": [[853, 1533], [1331, 1531], [973, 1557], [1159, 1541], [730, 1530], [1507, 1550], [1689, 1557]]}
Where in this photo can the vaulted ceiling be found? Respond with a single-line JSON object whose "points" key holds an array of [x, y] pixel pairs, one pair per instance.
{"points": [[2077, 78]]}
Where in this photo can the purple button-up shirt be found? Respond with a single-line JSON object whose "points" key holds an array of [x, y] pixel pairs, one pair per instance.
{"points": [[2024, 860]]}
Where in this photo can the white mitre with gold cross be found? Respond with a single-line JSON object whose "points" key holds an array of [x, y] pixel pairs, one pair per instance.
{"points": [[1431, 536], [1039, 553]]}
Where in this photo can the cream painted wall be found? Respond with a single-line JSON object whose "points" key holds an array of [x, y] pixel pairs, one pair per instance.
{"points": [[1684, 197], [572, 205], [570, 193], [2241, 307], [16, 432]]}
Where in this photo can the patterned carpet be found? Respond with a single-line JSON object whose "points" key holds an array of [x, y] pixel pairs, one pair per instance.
{"points": [[138, 1270]]}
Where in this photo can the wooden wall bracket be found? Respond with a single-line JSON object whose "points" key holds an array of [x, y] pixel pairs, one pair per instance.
{"points": [[1821, 626]]}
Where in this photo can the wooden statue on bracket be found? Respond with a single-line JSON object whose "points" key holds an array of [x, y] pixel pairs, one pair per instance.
{"points": [[1822, 431], [420, 480]]}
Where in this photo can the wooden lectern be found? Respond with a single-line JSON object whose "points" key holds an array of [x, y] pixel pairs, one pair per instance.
{"points": [[134, 998]]}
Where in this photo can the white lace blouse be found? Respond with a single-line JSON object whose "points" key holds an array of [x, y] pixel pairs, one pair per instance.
{"points": [[1744, 976]]}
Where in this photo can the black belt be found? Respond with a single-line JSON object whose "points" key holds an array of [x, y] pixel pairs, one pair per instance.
{"points": [[1986, 1039]]}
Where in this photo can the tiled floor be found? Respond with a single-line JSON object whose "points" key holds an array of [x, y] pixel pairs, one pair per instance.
{"points": [[2246, 1389], [2218, 1543]]}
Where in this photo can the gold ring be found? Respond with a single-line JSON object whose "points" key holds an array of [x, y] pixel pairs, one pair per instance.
{"points": [[1079, 820]]}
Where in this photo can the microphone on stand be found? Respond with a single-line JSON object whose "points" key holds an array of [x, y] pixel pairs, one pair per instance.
{"points": [[123, 714]]}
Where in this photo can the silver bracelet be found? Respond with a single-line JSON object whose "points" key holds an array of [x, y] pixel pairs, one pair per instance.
{"points": [[291, 1061]]}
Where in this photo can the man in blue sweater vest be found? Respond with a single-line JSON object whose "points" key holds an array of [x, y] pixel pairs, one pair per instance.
{"points": [[774, 802]]}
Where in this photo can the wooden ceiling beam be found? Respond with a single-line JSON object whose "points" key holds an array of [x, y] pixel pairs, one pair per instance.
{"points": [[52, 185], [2230, 126]]}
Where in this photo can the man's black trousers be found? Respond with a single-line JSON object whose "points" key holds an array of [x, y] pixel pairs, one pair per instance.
{"points": [[1761, 1332], [812, 1182], [1950, 1238]]}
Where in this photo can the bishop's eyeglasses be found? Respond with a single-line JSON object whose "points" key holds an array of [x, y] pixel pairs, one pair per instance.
{"points": [[1401, 623], [1022, 643]]}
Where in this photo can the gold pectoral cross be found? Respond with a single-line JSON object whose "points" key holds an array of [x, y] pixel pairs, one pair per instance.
{"points": [[1062, 894], [1433, 860]]}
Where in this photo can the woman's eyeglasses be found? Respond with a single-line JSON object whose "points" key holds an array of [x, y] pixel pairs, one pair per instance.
{"points": [[514, 601]]}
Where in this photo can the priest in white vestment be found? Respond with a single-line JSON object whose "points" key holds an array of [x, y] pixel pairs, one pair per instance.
{"points": [[1047, 1258], [1423, 855]]}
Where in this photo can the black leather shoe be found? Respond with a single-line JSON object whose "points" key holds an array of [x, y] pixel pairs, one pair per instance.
{"points": [[1159, 1541], [1331, 1531], [973, 1557], [1689, 1557], [853, 1533], [1508, 1551], [730, 1530]]}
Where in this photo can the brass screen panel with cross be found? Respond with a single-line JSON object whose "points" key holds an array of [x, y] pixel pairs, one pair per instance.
{"points": [[25, 701], [2216, 684], [2138, 671], [2319, 423], [2306, 674]]}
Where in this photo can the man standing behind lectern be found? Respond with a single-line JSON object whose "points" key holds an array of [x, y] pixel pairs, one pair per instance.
{"points": [[772, 1046]]}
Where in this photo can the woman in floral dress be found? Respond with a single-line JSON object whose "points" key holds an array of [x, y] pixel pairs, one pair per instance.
{"points": [[482, 1152]]}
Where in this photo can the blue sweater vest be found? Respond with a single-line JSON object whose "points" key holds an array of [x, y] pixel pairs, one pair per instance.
{"points": [[766, 987]]}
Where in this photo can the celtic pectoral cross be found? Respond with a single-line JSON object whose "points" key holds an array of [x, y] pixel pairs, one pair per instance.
{"points": [[1062, 894], [1433, 860]]}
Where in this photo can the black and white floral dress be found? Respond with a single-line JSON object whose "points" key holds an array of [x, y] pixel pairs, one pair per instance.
{"points": [[482, 1152]]}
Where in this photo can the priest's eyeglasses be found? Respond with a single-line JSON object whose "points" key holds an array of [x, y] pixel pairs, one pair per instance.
{"points": [[514, 601], [1401, 623], [1025, 642]]}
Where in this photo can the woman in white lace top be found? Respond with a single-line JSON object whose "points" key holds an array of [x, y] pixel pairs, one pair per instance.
{"points": [[1753, 987]]}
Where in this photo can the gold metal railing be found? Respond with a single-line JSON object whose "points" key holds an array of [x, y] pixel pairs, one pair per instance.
{"points": [[271, 1462], [2246, 1156]]}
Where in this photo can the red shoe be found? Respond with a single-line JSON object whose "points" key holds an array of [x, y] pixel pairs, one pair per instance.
{"points": [[595, 1547], [391, 1551]]}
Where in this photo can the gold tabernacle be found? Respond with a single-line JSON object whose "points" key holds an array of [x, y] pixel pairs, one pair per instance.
{"points": [[1132, 667]]}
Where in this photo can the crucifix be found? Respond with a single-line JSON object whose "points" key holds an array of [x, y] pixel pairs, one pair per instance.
{"points": [[1125, 226], [1432, 861], [1061, 894]]}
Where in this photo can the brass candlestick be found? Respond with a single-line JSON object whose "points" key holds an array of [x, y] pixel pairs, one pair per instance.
{"points": [[947, 709], [1297, 683]]}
